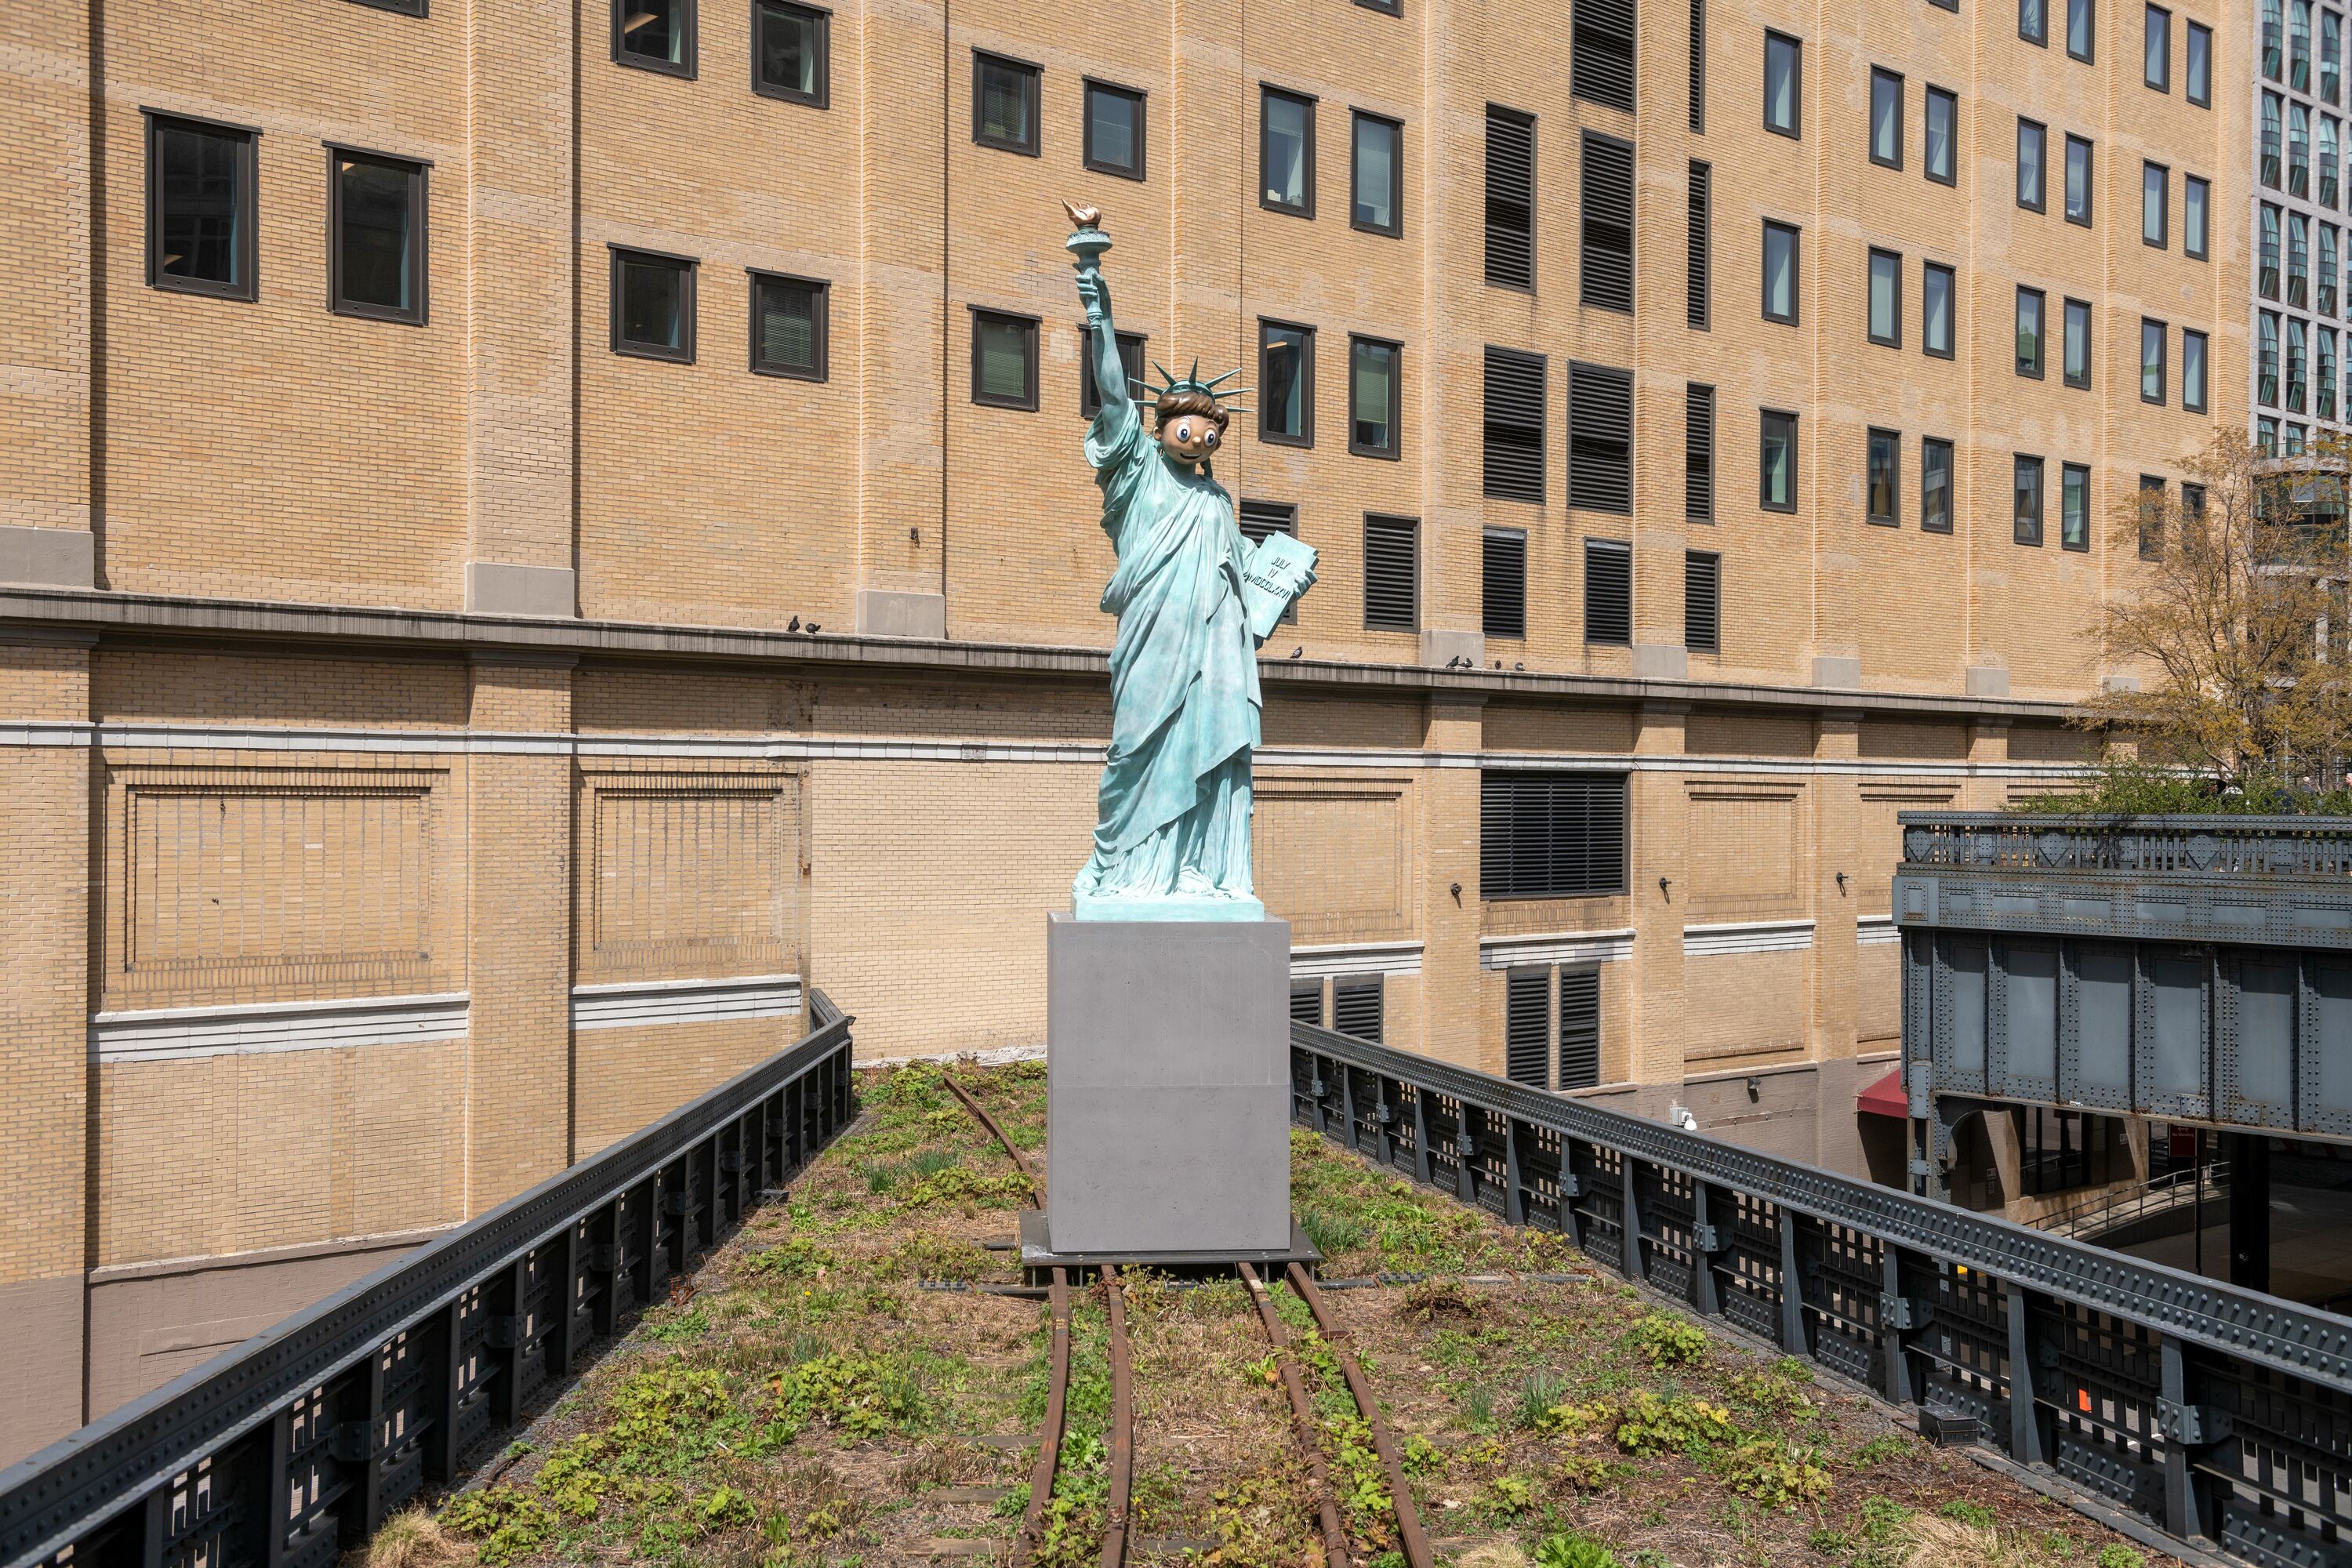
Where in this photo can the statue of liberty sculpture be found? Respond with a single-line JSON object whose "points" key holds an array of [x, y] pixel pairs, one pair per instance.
{"points": [[1194, 600]]}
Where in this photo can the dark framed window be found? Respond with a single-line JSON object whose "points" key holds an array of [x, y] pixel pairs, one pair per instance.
{"points": [[2034, 22], [789, 326], [1600, 439], [1391, 572], [2266, 436], [1114, 138], [1004, 99], [1285, 379], [1698, 280], [1580, 1028], [1510, 197], [2030, 303], [376, 221], [1941, 158], [2033, 154], [1004, 360], [1503, 583], [1527, 1026], [652, 305], [2025, 493], [1886, 118], [1784, 84], [1605, 223], [1130, 357], [397, 7], [1884, 478], [201, 208], [1259, 519], [1609, 592], [2199, 51], [2080, 25], [2196, 208], [2156, 67], [1513, 427], [1601, 52], [1703, 600], [792, 52], [2154, 219], [1375, 396], [1885, 307], [2151, 513], [1356, 1006], [1551, 835], [2074, 352], [2151, 361], [1935, 486], [1376, 173], [1776, 461], [1780, 272], [654, 35], [1698, 452], [1285, 151], [2078, 181], [2073, 507], [1936, 304], [2192, 372]]}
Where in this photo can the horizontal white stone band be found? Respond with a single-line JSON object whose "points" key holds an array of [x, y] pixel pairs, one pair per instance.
{"points": [[1556, 947], [1746, 936], [177, 1034], [1876, 929], [632, 1004], [1355, 958]]}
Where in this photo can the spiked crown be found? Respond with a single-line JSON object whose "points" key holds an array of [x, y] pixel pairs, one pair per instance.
{"points": [[1214, 386]]}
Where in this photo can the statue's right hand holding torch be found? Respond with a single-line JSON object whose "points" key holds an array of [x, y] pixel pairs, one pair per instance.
{"points": [[1087, 244]]}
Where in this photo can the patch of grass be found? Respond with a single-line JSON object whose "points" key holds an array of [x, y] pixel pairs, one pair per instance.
{"points": [[1574, 1551], [670, 1327], [859, 1395], [1975, 1515], [412, 1539], [1538, 1393]]}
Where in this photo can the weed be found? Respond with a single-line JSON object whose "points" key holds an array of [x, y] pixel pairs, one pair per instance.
{"points": [[860, 1396], [1514, 1495], [1829, 1542], [1421, 1457], [956, 1184], [2116, 1555], [1774, 1474], [1332, 1233], [1541, 1390], [1575, 1550], [925, 1256], [506, 1523], [669, 1327], [1771, 1391], [1665, 1340], [724, 1506], [572, 1478], [1425, 1300], [1975, 1515], [1478, 1407], [1645, 1423], [1879, 1449], [795, 1258], [1590, 1472], [1882, 1519]]}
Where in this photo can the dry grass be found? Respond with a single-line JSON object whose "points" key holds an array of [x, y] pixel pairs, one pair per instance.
{"points": [[1936, 1542], [415, 1538]]}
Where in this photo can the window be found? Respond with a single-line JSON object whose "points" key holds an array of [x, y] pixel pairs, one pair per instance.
{"points": [[2151, 516], [2034, 22], [1375, 397], [1935, 310], [1884, 459], [2075, 354], [1780, 272], [1286, 152], [2078, 181], [1514, 456], [1113, 140], [652, 305], [1698, 66], [1600, 439], [1356, 1007], [2329, 167], [2331, 55], [2266, 437], [1703, 600], [1545, 835], [2298, 45], [2323, 371], [655, 35], [1130, 359], [1776, 453], [1935, 486], [200, 208], [788, 326], [2078, 29], [1886, 118], [1004, 360], [1004, 103], [792, 52], [2298, 260], [1510, 197], [1608, 592], [1259, 519], [1605, 219], [1886, 298], [1601, 52], [1943, 125], [2192, 372], [2267, 352], [2273, 135], [1697, 286], [1503, 579], [2200, 53], [1698, 452], [2032, 143], [2266, 254], [2298, 151], [2196, 200], [376, 214], [1285, 379], [2029, 332], [2156, 67], [1784, 70], [2151, 362], [2274, 29], [1391, 572], [2026, 489], [1527, 1026], [1376, 174], [2329, 272], [1580, 1028], [2294, 366], [2073, 507]]}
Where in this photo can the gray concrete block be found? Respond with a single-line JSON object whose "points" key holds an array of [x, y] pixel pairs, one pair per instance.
{"points": [[493, 588], [2119, 683], [1843, 674], [1661, 661], [50, 557], [884, 613], [1437, 647], [1168, 1085], [1988, 681]]}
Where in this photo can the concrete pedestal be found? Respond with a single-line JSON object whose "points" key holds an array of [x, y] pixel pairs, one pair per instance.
{"points": [[1167, 1087]]}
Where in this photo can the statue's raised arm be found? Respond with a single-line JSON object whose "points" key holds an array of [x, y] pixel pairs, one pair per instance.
{"points": [[1086, 244]]}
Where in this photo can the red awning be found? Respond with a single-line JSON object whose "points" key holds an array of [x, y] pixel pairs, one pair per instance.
{"points": [[1885, 1097]]}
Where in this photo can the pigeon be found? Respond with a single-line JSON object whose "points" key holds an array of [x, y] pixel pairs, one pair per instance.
{"points": [[795, 625], [815, 628], [1518, 666], [1299, 651]]}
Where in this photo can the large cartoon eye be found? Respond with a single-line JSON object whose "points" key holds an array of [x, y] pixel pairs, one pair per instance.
{"points": [[1183, 430], [1209, 438]]}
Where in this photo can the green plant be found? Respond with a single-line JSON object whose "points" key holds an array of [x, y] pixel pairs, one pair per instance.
{"points": [[795, 1258], [505, 1522], [1574, 1551], [1332, 1233], [1542, 1390], [1665, 1340], [1647, 1424], [957, 1184], [1973, 1514], [573, 1478], [724, 1506], [1774, 1474], [676, 1328], [1513, 1494], [1879, 1449], [1588, 1472], [1881, 1519], [1478, 1406], [861, 1395], [2116, 1555]]}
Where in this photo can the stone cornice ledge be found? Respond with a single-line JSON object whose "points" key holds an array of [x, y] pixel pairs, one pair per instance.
{"points": [[24, 609]]}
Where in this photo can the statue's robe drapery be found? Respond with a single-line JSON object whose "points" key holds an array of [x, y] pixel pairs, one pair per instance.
{"points": [[1184, 692]]}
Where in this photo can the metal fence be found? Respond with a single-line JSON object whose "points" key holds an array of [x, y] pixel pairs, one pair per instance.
{"points": [[2207, 1410], [297, 1444]]}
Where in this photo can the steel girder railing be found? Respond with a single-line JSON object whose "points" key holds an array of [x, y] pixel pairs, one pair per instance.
{"points": [[2210, 1411], [298, 1443]]}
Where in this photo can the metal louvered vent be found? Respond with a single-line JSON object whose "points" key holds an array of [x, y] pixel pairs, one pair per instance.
{"points": [[1526, 1027], [1504, 583], [1306, 1004], [1259, 518], [1702, 244], [1510, 197], [1698, 66], [1605, 248], [1391, 572], [1698, 452], [1546, 835], [1580, 1028], [1514, 424], [1600, 439], [1608, 590], [1355, 1009], [1702, 602], [1601, 52]]}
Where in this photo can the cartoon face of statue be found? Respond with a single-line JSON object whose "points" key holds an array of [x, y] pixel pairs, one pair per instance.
{"points": [[1191, 427]]}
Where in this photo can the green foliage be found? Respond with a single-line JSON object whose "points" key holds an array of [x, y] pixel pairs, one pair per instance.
{"points": [[1574, 1551], [724, 1506], [573, 1479], [918, 1086], [1774, 1474], [1882, 1519], [1645, 1423], [1665, 1340], [1973, 1514], [2125, 787], [1879, 1449], [1775, 1390], [1421, 1457], [1590, 1472], [1332, 1233], [662, 1415], [883, 1176], [2116, 1555], [671, 1328], [795, 1258], [957, 1184], [859, 1395], [505, 1522], [1542, 1389], [1512, 1495], [926, 1255]]}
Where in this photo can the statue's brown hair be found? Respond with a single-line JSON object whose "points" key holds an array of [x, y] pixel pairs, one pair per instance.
{"points": [[1180, 401]]}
